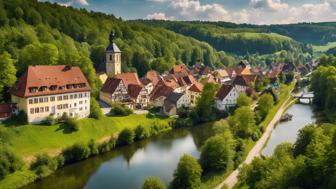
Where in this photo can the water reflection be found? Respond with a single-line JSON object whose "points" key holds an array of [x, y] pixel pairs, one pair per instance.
{"points": [[287, 131], [127, 167]]}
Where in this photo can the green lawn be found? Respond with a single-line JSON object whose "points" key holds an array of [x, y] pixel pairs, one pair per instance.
{"points": [[324, 48], [35, 139]]}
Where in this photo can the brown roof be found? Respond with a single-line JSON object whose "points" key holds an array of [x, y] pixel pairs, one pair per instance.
{"points": [[111, 85], [197, 87], [224, 91], [222, 73], [153, 76], [129, 78], [134, 90], [210, 79], [180, 69], [161, 90], [231, 71], [48, 80], [244, 80]]}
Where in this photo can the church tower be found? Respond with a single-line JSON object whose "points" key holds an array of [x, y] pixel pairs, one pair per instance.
{"points": [[113, 57]]}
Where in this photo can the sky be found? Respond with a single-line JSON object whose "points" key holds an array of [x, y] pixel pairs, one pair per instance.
{"points": [[237, 11]]}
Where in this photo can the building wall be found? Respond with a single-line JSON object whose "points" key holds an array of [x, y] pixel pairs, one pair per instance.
{"points": [[183, 102], [113, 63], [75, 105], [229, 101], [193, 96]]}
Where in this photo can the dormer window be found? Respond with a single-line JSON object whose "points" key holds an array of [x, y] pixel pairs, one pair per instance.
{"points": [[53, 87], [61, 87], [43, 88], [69, 86], [33, 89]]}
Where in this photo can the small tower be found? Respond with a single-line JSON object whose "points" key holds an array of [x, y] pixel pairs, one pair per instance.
{"points": [[113, 57]]}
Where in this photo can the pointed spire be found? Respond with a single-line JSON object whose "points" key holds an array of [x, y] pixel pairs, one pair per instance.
{"points": [[112, 36]]}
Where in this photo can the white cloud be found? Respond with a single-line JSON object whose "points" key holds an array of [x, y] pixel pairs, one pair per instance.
{"points": [[159, 16], [271, 5], [72, 2], [159, 1]]}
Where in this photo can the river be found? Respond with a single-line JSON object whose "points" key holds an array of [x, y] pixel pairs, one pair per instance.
{"points": [[128, 167], [287, 131]]}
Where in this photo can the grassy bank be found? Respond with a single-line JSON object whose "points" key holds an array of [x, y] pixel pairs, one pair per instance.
{"points": [[29, 140]]}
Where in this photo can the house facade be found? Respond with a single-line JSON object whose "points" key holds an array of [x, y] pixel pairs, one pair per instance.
{"points": [[52, 90], [194, 92], [173, 102], [227, 97]]}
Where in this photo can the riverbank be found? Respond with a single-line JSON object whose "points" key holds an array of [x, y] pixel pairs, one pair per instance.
{"points": [[28, 141], [268, 124]]}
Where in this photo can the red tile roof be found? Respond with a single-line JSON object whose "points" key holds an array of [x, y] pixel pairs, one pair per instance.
{"points": [[180, 69], [49, 80], [153, 76], [224, 91], [111, 85], [197, 87], [129, 78], [134, 90]]}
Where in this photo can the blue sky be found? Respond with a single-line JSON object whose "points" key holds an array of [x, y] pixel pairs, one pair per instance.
{"points": [[238, 11]]}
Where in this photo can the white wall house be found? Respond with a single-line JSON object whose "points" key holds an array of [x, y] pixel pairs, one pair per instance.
{"points": [[52, 90], [175, 101], [227, 97]]}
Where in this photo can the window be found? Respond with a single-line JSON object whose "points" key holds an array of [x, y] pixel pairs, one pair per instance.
{"points": [[80, 109], [80, 102], [30, 101], [46, 109], [75, 104], [46, 99], [75, 96], [59, 98], [31, 110], [65, 97], [35, 100], [40, 100], [110, 57], [52, 99], [42, 109], [80, 95], [71, 96], [37, 110]]}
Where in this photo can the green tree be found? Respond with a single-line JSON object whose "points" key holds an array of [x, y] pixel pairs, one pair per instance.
{"points": [[126, 137], [265, 104], [188, 173], [218, 152], [95, 110], [205, 103], [243, 123], [153, 183], [243, 100], [7, 74]]}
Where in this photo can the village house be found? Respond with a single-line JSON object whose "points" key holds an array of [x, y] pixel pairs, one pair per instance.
{"points": [[243, 82], [173, 102], [222, 76], [193, 93], [150, 80], [226, 97], [7, 111], [52, 90]]}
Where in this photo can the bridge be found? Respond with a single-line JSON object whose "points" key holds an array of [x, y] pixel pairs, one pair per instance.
{"points": [[305, 96]]}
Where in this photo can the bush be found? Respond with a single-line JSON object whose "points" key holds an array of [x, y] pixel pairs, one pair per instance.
{"points": [[72, 124], [126, 137], [119, 110], [95, 110], [107, 146], [218, 152], [183, 122], [50, 120], [45, 165], [93, 147], [9, 162], [77, 152], [153, 183], [141, 132], [188, 173]]}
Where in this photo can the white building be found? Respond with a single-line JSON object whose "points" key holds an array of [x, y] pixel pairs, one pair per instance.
{"points": [[226, 97], [175, 101], [52, 90]]}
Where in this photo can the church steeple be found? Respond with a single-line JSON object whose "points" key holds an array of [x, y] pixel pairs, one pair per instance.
{"points": [[113, 57]]}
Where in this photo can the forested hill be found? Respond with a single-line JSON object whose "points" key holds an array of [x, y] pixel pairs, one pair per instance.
{"points": [[32, 32], [233, 38]]}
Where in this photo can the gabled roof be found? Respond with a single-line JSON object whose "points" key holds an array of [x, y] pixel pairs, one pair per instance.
{"points": [[129, 78], [244, 80], [111, 85], [49, 80], [151, 76], [180, 69], [224, 91], [174, 97], [197, 87], [160, 90], [134, 90], [222, 73]]}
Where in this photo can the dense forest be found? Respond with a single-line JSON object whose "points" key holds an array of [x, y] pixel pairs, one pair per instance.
{"points": [[34, 33], [236, 40]]}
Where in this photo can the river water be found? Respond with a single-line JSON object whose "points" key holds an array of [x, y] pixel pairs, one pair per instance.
{"points": [[287, 131], [128, 167]]}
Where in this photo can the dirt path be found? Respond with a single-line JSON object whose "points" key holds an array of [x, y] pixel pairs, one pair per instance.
{"points": [[232, 179]]}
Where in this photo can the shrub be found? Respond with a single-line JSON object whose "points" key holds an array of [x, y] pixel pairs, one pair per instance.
{"points": [[44, 165], [50, 120], [153, 183], [183, 122], [107, 146], [9, 162], [95, 110], [218, 152], [265, 104], [188, 173], [72, 124], [93, 147], [21, 118], [141, 132], [126, 137], [77, 152], [120, 110]]}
